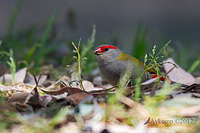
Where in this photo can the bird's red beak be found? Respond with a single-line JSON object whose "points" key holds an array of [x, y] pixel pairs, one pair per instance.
{"points": [[98, 51]]}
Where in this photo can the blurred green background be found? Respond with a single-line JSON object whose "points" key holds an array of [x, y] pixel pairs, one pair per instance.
{"points": [[41, 32]]}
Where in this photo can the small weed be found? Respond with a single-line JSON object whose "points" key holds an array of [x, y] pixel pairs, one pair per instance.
{"points": [[31, 52], [12, 65], [153, 63], [11, 62], [84, 58], [79, 60]]}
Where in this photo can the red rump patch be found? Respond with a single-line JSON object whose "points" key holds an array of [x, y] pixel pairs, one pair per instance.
{"points": [[161, 78], [107, 46]]}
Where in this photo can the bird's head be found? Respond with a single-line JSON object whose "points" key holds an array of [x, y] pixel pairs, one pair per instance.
{"points": [[107, 52], [104, 49]]}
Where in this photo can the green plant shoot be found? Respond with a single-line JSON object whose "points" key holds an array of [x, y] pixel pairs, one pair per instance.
{"points": [[79, 64], [153, 63], [12, 65]]}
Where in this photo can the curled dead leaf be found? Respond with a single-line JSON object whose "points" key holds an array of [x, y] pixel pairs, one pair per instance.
{"points": [[69, 90]]}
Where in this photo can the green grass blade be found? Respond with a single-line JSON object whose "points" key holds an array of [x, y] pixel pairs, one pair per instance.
{"points": [[31, 52], [194, 66], [140, 42], [13, 19], [43, 41]]}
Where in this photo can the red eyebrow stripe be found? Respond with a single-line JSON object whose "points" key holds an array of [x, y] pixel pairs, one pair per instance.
{"points": [[107, 46]]}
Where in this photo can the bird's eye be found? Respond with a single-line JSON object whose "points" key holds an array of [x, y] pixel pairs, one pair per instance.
{"points": [[106, 49]]}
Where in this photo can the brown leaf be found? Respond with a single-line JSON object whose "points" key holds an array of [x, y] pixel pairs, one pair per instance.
{"points": [[18, 97], [69, 90], [78, 97], [5, 105]]}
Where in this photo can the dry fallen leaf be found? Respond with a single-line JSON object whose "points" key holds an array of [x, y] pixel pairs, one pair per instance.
{"points": [[194, 88], [4, 87], [31, 79], [78, 97], [178, 74], [87, 85], [21, 87], [69, 90], [5, 105], [18, 97], [197, 79], [19, 77]]}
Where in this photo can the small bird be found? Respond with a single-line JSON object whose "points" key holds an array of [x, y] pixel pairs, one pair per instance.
{"points": [[113, 64]]}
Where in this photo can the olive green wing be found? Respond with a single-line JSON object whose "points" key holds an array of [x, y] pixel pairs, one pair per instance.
{"points": [[127, 57]]}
